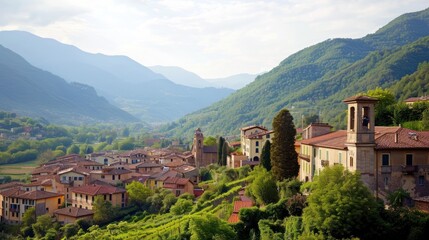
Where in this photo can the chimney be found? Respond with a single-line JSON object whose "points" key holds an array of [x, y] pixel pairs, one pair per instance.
{"points": [[396, 137]]}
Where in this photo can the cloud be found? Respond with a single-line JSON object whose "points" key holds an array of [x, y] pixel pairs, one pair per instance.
{"points": [[213, 38]]}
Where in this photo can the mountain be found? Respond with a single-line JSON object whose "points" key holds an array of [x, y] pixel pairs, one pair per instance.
{"points": [[124, 82], [316, 79], [235, 81], [181, 76], [27, 90]]}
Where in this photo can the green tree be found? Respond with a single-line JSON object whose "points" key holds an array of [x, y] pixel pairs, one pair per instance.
{"points": [[263, 187], [29, 217], [138, 193], [384, 107], [210, 141], [182, 206], [266, 155], [103, 211], [126, 144], [425, 120], [284, 159], [208, 226], [73, 149], [225, 151], [341, 206], [220, 143], [42, 225]]}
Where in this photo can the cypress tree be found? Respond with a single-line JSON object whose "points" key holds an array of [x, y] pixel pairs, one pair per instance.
{"points": [[266, 156], [220, 143], [224, 153], [284, 159]]}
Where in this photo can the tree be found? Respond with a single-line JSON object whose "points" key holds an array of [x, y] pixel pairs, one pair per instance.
{"points": [[42, 225], [138, 193], [263, 187], [284, 159], [29, 217], [384, 106], [182, 206], [210, 141], [102, 210], [266, 155], [73, 149], [224, 156], [425, 120], [208, 226], [341, 206], [220, 143]]}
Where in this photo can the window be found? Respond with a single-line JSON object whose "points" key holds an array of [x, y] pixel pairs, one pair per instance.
{"points": [[351, 161], [268, 135], [119, 177], [75, 178], [409, 159], [421, 180], [80, 178], [102, 176], [257, 150], [365, 117], [385, 159], [113, 177], [86, 198], [340, 158], [352, 118], [257, 143], [327, 155], [59, 200], [110, 197]]}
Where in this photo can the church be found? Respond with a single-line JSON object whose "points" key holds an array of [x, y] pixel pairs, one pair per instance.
{"points": [[388, 158], [202, 155]]}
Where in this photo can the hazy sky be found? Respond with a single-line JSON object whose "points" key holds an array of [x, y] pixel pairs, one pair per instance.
{"points": [[213, 38]]}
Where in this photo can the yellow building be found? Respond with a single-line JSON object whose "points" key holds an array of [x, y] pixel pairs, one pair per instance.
{"points": [[72, 214], [15, 202], [84, 196], [253, 139]]}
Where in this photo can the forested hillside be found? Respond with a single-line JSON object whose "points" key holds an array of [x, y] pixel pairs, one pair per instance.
{"points": [[315, 80]]}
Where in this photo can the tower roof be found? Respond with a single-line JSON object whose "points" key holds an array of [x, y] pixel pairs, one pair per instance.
{"points": [[360, 98]]}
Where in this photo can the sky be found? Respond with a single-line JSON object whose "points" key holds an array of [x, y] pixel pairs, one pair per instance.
{"points": [[212, 38]]}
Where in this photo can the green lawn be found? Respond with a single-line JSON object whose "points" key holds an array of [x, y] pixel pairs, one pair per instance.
{"points": [[18, 171]]}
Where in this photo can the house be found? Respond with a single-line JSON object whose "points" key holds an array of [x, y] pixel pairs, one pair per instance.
{"points": [[112, 176], [72, 214], [179, 186], [234, 218], [388, 158], [253, 139], [16, 201], [75, 176], [236, 160], [84, 196], [202, 155], [149, 167], [412, 100], [156, 180]]}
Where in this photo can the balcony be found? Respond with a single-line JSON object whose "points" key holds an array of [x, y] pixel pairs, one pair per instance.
{"points": [[386, 169], [325, 163], [409, 169], [304, 157]]}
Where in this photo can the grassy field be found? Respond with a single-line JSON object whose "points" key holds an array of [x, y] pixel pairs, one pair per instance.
{"points": [[18, 171]]}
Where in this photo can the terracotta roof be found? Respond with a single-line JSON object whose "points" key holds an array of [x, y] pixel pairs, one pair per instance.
{"points": [[330, 140], [89, 163], [10, 185], [417, 99], [163, 175], [141, 179], [74, 212], [100, 182], [77, 169], [234, 218], [254, 126], [32, 195], [176, 180], [403, 138], [237, 206], [97, 189], [149, 165], [360, 98], [258, 135], [111, 171]]}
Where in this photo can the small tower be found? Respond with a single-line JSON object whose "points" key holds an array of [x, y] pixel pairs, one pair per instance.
{"points": [[360, 137], [197, 149]]}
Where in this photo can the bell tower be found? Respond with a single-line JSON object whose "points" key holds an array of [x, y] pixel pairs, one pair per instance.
{"points": [[197, 148], [360, 137]]}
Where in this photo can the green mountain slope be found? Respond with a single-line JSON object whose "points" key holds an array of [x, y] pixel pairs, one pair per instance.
{"points": [[413, 85], [318, 78], [30, 91]]}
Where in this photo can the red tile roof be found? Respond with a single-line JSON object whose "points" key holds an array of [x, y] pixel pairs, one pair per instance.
{"points": [[176, 180], [330, 140], [32, 195], [254, 126], [94, 189], [360, 99], [74, 212], [234, 218]]}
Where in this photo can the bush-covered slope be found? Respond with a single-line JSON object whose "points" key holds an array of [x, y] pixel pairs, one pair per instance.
{"points": [[313, 79]]}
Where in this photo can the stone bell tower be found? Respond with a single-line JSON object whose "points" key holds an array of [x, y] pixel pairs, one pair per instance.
{"points": [[360, 138], [197, 147]]}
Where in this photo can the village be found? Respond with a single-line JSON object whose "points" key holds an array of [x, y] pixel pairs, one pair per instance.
{"points": [[388, 158]]}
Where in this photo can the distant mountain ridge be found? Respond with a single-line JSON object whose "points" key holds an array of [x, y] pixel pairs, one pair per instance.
{"points": [[124, 82], [30, 91], [316, 79], [181, 76]]}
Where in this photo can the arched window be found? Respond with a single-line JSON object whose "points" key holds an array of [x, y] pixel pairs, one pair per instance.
{"points": [[365, 117], [352, 118], [351, 161]]}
